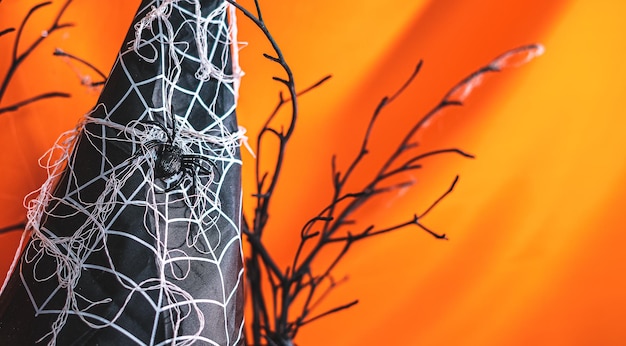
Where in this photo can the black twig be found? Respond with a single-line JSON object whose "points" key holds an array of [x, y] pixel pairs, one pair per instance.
{"points": [[18, 58], [331, 311], [6, 31], [18, 105], [17, 227], [295, 292], [62, 53], [438, 200]]}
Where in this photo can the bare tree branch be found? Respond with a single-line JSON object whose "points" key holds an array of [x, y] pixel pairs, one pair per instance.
{"points": [[18, 105], [297, 290], [18, 58]]}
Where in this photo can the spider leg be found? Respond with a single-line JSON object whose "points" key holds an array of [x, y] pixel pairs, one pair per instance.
{"points": [[170, 136], [187, 170], [194, 183], [155, 123], [146, 147], [197, 160], [149, 145], [176, 184], [143, 149]]}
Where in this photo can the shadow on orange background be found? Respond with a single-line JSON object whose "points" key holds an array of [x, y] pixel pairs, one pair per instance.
{"points": [[535, 255]]}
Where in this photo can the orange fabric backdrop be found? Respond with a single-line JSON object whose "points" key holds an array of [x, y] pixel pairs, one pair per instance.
{"points": [[535, 253]]}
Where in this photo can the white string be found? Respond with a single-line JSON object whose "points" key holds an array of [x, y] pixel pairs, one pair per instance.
{"points": [[238, 73]]}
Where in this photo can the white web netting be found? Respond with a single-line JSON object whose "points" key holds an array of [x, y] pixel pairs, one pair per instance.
{"points": [[135, 234]]}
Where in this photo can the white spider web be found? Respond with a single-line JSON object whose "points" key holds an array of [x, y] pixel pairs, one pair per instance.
{"points": [[123, 257]]}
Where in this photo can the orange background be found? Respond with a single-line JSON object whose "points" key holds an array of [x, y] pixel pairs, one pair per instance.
{"points": [[536, 252]]}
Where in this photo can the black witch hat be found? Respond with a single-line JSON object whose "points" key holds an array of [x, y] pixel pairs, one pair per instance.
{"points": [[136, 234]]}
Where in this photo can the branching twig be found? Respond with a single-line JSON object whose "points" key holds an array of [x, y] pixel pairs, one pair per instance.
{"points": [[331, 311], [301, 282], [18, 58], [265, 188], [84, 80]]}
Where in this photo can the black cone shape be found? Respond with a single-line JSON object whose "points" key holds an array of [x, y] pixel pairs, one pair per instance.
{"points": [[135, 236]]}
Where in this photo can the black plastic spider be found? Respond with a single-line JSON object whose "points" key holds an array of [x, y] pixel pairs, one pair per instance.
{"points": [[171, 163]]}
